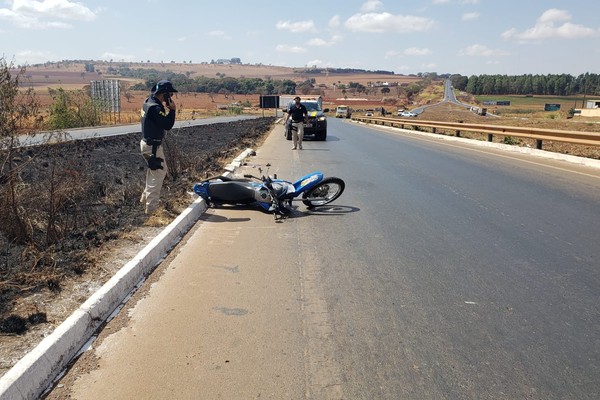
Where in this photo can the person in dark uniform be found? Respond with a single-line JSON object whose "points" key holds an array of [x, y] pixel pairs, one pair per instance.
{"points": [[158, 117], [298, 113]]}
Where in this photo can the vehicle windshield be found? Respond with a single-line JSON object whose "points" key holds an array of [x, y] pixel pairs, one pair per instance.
{"points": [[312, 107]]}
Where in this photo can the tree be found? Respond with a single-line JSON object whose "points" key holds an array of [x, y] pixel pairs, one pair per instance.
{"points": [[18, 116], [459, 82], [74, 109]]}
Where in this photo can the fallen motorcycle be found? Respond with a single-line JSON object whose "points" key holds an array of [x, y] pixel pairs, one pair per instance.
{"points": [[271, 194]]}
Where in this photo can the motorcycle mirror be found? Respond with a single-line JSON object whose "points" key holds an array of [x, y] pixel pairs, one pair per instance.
{"points": [[268, 165], [274, 176]]}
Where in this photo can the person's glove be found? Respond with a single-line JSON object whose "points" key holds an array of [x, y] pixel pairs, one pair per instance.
{"points": [[155, 163]]}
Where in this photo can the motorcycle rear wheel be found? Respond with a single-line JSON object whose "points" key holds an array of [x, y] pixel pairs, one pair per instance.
{"points": [[324, 193]]}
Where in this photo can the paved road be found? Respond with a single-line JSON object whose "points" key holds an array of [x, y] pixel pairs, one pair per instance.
{"points": [[114, 130], [445, 271]]}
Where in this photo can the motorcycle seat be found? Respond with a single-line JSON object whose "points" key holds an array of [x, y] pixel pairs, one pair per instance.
{"points": [[232, 192]]}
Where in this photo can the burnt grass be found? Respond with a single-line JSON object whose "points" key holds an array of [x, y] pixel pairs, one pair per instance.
{"points": [[62, 202]]}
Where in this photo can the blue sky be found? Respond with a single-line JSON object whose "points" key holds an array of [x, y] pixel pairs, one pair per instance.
{"points": [[444, 36]]}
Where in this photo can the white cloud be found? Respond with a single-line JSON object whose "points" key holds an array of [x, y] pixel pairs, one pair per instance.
{"points": [[470, 16], [386, 22], [551, 24], [457, 1], [479, 50], [430, 66], [288, 48], [26, 57], [107, 55], [315, 63], [54, 8], [43, 14], [391, 54], [554, 14], [218, 34], [415, 51], [297, 27], [371, 5], [318, 42], [335, 21]]}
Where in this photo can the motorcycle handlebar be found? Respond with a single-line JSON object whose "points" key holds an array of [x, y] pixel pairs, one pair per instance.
{"points": [[264, 178]]}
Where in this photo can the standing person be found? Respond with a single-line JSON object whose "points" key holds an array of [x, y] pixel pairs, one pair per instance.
{"points": [[298, 113], [158, 116]]}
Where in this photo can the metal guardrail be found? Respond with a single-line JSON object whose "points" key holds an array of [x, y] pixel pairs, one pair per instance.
{"points": [[555, 135]]}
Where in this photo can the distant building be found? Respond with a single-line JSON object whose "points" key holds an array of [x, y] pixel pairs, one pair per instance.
{"points": [[592, 109]]}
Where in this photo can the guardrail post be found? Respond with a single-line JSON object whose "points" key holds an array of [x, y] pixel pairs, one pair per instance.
{"points": [[538, 144], [490, 137], [457, 133], [434, 130]]}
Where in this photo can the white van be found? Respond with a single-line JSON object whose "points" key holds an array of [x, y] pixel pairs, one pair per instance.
{"points": [[343, 112]]}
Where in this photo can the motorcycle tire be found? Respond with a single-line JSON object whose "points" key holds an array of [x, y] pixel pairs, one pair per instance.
{"points": [[324, 193]]}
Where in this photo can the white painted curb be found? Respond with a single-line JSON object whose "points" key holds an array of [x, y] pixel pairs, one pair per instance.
{"points": [[29, 377]]}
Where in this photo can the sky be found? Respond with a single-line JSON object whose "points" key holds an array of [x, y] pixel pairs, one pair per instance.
{"points": [[468, 37]]}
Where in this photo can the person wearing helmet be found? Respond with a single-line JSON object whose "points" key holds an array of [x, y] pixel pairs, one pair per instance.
{"points": [[158, 117]]}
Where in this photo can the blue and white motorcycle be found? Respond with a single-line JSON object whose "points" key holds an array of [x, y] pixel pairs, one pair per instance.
{"points": [[271, 194]]}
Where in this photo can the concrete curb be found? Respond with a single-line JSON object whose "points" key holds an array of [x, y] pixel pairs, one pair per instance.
{"points": [[29, 377]]}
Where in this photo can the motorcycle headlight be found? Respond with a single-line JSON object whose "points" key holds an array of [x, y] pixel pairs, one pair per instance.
{"points": [[323, 118]]}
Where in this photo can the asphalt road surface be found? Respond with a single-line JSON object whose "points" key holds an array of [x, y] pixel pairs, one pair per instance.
{"points": [[445, 271], [114, 130]]}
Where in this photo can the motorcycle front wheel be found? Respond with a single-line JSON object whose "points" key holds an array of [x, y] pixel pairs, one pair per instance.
{"points": [[324, 193]]}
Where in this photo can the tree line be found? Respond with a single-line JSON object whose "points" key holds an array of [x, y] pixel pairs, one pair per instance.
{"points": [[548, 85], [202, 84]]}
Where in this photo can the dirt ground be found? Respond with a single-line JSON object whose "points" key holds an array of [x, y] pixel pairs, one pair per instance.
{"points": [[116, 228]]}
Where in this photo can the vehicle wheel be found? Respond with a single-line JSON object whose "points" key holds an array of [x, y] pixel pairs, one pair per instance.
{"points": [[322, 136], [325, 192]]}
